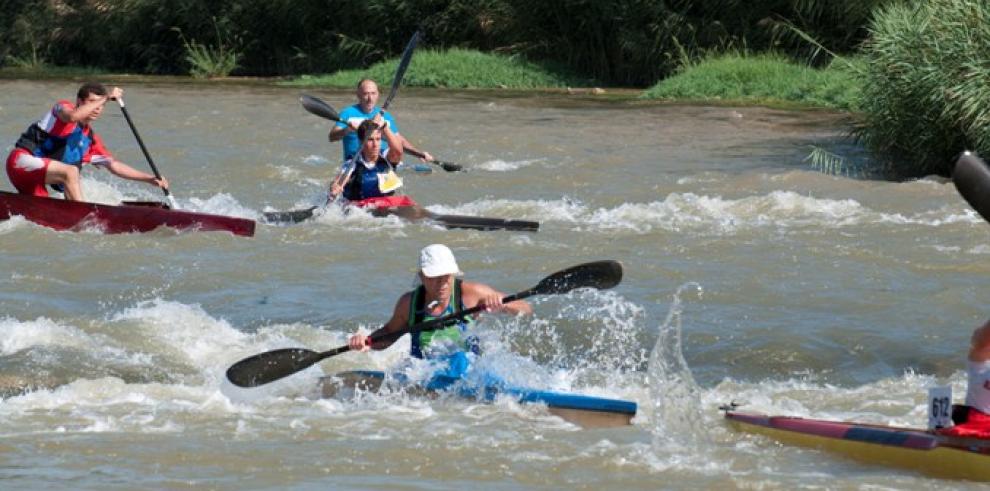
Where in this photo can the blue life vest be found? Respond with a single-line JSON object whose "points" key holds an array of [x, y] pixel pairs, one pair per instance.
{"points": [[364, 182], [68, 150], [455, 334]]}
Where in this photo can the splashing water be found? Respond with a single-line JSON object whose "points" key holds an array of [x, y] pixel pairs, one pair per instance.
{"points": [[676, 396]]}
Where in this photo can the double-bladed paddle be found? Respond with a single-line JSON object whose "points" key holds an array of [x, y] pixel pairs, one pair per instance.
{"points": [[316, 106], [270, 366], [137, 136], [972, 179]]}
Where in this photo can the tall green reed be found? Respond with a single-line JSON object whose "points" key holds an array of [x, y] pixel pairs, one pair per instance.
{"points": [[927, 85]]}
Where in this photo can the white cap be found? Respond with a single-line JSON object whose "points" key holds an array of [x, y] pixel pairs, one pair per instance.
{"points": [[437, 260]]}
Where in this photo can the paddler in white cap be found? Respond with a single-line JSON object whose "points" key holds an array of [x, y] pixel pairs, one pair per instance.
{"points": [[438, 292]]}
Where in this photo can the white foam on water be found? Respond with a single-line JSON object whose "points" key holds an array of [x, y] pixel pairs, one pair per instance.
{"points": [[315, 160], [16, 336], [13, 223], [499, 165], [357, 219], [709, 214], [218, 204]]}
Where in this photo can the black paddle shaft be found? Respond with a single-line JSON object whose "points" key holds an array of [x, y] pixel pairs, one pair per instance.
{"points": [[137, 136], [273, 365]]}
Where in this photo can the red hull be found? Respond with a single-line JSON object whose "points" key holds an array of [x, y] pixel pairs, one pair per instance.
{"points": [[384, 202], [76, 215]]}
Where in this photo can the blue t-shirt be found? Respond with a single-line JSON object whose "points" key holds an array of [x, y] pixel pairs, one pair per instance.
{"points": [[351, 141]]}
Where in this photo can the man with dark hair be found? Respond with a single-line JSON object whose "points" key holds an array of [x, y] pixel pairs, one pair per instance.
{"points": [[365, 109], [53, 150], [370, 174]]}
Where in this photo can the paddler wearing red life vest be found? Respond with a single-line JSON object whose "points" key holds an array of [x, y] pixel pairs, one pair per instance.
{"points": [[439, 292], [371, 174], [977, 409], [53, 150]]}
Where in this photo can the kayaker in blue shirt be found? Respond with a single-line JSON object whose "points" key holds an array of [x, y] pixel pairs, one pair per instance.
{"points": [[366, 108], [439, 292]]}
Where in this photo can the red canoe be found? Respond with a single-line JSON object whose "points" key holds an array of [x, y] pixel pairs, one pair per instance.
{"points": [[127, 217]]}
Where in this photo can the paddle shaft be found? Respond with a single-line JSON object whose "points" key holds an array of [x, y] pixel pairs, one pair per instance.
{"points": [[144, 149]]}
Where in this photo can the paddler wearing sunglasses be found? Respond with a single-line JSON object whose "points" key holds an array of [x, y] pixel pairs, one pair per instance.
{"points": [[371, 174]]}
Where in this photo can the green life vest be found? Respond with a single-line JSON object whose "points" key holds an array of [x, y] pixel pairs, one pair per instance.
{"points": [[455, 335]]}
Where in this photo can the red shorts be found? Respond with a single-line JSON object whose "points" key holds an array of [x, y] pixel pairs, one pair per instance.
{"points": [[27, 172], [977, 425]]}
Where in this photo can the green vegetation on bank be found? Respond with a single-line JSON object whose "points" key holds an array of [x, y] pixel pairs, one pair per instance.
{"points": [[763, 78], [619, 42], [455, 69], [926, 92]]}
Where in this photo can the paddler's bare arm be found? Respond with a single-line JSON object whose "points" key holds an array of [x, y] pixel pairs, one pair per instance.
{"points": [[479, 293], [395, 147], [338, 132], [125, 171], [399, 320], [980, 344], [84, 111]]}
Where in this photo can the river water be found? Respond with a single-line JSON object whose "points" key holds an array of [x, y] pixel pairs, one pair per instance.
{"points": [[749, 277]]}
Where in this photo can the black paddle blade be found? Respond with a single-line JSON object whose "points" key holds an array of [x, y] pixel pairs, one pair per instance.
{"points": [[448, 166], [401, 70], [484, 223], [598, 274], [294, 216], [316, 106], [270, 366], [972, 179]]}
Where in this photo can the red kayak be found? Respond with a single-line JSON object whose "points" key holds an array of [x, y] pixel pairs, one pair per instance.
{"points": [[127, 217], [404, 207]]}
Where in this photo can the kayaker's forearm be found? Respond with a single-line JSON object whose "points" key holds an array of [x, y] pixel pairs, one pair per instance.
{"points": [[411, 150], [337, 133], [125, 171]]}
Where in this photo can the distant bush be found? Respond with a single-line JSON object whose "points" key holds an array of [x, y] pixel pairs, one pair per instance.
{"points": [[926, 93], [456, 68], [761, 78], [210, 61]]}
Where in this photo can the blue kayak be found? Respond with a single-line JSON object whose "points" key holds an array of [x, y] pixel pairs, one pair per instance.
{"points": [[583, 410]]}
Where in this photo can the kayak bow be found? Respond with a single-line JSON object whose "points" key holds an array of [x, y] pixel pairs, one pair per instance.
{"points": [[916, 449], [127, 217]]}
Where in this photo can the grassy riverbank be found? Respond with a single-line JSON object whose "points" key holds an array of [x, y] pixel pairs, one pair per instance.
{"points": [[762, 79], [724, 80], [456, 69]]}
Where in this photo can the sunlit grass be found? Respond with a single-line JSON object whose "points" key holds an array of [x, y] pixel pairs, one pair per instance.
{"points": [[762, 78], [456, 69]]}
